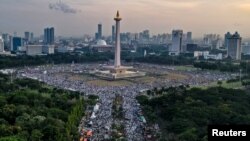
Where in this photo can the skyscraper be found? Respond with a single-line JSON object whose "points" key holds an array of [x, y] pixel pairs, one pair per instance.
{"points": [[113, 33], [45, 35], [15, 43], [7, 41], [49, 36], [189, 37], [233, 46], [227, 35], [99, 31], [31, 37], [52, 35], [27, 36], [176, 47], [96, 36], [1, 44]]}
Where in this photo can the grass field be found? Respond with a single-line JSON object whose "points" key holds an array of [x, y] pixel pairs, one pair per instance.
{"points": [[174, 76], [145, 79], [80, 77], [185, 68], [130, 81], [234, 85], [150, 78]]}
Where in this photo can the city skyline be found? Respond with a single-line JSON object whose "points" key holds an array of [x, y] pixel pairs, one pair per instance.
{"points": [[76, 18]]}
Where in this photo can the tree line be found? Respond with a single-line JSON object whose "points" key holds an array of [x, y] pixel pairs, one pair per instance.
{"points": [[224, 66], [33, 111], [183, 114]]}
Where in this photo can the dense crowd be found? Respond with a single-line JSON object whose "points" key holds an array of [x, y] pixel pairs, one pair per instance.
{"points": [[58, 75]]}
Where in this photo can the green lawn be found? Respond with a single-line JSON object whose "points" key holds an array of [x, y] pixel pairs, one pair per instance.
{"points": [[234, 85], [185, 68]]}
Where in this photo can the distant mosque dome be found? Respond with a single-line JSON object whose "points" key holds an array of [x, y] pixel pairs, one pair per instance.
{"points": [[101, 43]]}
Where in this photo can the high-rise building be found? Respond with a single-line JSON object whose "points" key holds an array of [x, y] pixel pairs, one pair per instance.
{"points": [[99, 31], [96, 36], [246, 48], [227, 35], [1, 44], [176, 47], [6, 37], [27, 36], [7, 40], [48, 49], [189, 37], [31, 37], [52, 35], [211, 39], [113, 33], [234, 46], [45, 38], [34, 49], [15, 43], [146, 34], [49, 36]]}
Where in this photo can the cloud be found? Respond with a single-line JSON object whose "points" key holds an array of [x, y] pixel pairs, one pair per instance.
{"points": [[63, 7]]}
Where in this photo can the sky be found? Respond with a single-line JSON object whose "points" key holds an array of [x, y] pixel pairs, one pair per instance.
{"points": [[80, 17]]}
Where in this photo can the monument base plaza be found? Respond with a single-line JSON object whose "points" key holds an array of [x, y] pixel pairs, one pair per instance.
{"points": [[122, 72], [118, 71]]}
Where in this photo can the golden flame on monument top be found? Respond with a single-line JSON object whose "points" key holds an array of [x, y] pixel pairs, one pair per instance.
{"points": [[117, 18]]}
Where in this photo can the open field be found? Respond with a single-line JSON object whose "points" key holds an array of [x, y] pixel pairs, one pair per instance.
{"points": [[80, 77], [185, 68], [145, 79], [100, 82], [130, 81], [174, 76], [124, 82], [234, 85]]}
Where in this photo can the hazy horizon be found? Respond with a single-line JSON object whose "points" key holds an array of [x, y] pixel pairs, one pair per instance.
{"points": [[78, 17]]}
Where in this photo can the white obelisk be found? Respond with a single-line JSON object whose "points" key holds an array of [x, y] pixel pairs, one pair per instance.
{"points": [[117, 41]]}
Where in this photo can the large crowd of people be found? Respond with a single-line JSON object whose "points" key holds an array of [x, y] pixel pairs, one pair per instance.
{"points": [[58, 76]]}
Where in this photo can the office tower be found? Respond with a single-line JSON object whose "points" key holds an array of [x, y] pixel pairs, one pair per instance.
{"points": [[210, 39], [48, 49], [234, 46], [52, 35], [113, 33], [227, 35], [136, 36], [189, 37], [246, 48], [96, 36], [146, 34], [1, 44], [15, 34], [31, 37], [49, 36], [7, 40], [27, 36], [15, 43], [192, 47], [99, 31], [6, 37], [34, 50], [176, 47], [46, 31]]}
